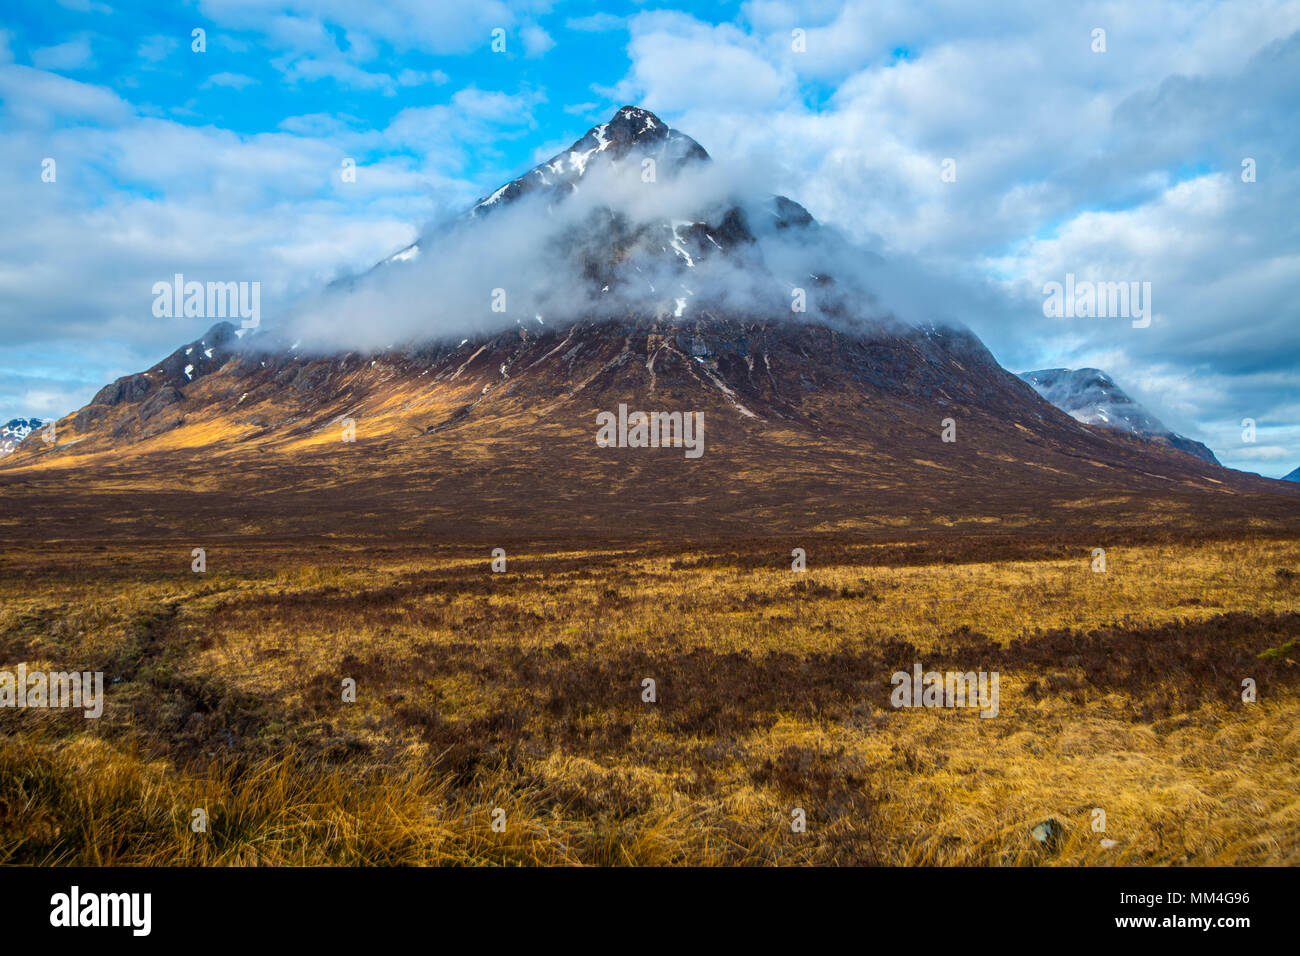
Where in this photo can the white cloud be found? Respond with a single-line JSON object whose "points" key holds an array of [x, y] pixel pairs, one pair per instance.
{"points": [[270, 207], [234, 81], [441, 28], [156, 48], [85, 6], [73, 55], [37, 98], [304, 36], [48, 403], [537, 42], [596, 23], [421, 77], [679, 62]]}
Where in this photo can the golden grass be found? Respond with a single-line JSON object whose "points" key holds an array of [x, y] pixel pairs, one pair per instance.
{"points": [[522, 691]]}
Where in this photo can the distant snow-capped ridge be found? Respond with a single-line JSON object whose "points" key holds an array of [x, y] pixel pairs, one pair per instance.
{"points": [[1294, 476], [1090, 396], [14, 431]]}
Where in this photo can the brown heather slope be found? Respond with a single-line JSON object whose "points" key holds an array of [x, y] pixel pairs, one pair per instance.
{"points": [[808, 430]]}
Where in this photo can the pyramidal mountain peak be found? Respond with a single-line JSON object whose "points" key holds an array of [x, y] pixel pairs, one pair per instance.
{"points": [[643, 296], [631, 130], [633, 140]]}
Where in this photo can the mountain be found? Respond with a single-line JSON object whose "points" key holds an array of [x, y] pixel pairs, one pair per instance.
{"points": [[14, 431], [155, 399], [631, 130], [668, 295], [629, 221], [1090, 395], [1294, 476]]}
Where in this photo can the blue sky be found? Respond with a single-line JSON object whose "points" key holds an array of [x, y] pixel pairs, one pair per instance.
{"points": [[292, 67], [1122, 164]]}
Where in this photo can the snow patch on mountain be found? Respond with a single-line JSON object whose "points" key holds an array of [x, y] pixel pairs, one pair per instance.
{"points": [[1090, 396], [654, 209], [14, 431]]}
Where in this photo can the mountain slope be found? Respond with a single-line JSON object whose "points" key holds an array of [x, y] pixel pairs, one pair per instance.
{"points": [[840, 418], [806, 428], [1090, 395]]}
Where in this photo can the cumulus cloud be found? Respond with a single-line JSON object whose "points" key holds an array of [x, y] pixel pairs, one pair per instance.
{"points": [[533, 257], [679, 62]]}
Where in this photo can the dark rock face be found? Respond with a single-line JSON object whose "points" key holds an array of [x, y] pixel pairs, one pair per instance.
{"points": [[633, 126], [160, 388], [160, 399], [130, 388], [199, 357], [1193, 448], [789, 213]]}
